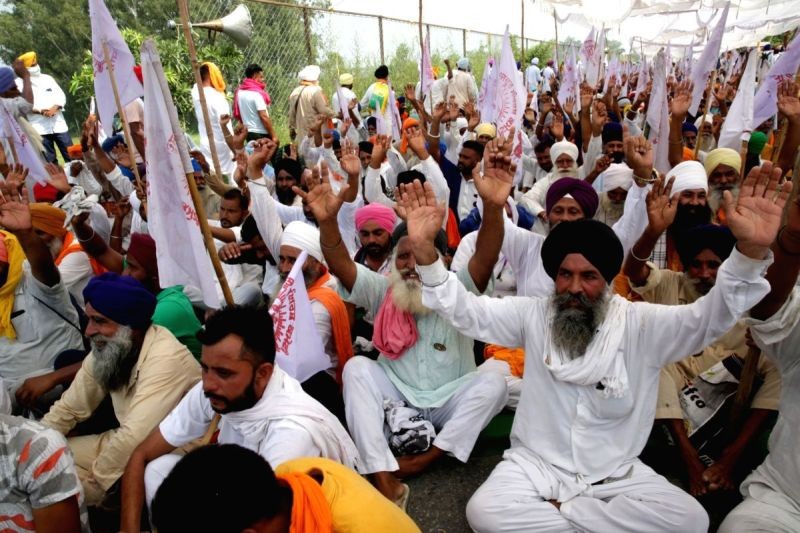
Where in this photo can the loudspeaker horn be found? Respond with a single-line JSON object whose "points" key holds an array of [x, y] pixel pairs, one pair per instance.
{"points": [[237, 25]]}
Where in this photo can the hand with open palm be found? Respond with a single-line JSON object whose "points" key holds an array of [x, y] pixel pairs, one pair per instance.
{"points": [[497, 180], [320, 198], [422, 212], [661, 206], [755, 216], [15, 215], [349, 161]]}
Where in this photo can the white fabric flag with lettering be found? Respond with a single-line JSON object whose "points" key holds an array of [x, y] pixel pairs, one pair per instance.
{"points": [[298, 346], [707, 62], [739, 122], [172, 220], [592, 53], [571, 84], [510, 96], [658, 115], [28, 156], [104, 30], [785, 67], [426, 69]]}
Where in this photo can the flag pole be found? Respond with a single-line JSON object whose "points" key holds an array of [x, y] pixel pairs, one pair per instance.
{"points": [[125, 128], [183, 8], [781, 137], [195, 194], [602, 52], [706, 107], [555, 23]]}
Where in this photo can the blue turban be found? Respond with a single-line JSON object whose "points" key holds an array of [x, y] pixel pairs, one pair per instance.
{"points": [[612, 131], [196, 166], [592, 239], [7, 77], [688, 127], [112, 141], [122, 299]]}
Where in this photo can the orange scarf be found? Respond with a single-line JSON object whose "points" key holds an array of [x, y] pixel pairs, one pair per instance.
{"points": [[311, 512], [340, 323], [71, 245], [515, 357]]}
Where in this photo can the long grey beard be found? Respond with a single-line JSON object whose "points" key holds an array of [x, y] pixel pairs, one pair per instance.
{"points": [[114, 362], [574, 328], [406, 294]]}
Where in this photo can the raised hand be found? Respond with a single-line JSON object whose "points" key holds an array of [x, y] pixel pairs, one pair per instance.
{"points": [[15, 179], [416, 141], [323, 203], [263, 150], [123, 207], [473, 115], [587, 95], [682, 98], [788, 102], [411, 94], [497, 180], [452, 109], [438, 112], [638, 154], [327, 139], [569, 105], [201, 160], [349, 161], [239, 136], [15, 216], [661, 206], [57, 177], [601, 165], [557, 126], [755, 216], [546, 106], [599, 115], [379, 149], [421, 210]]}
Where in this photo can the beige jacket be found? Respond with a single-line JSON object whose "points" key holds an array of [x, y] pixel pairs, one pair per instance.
{"points": [[165, 371], [305, 103]]}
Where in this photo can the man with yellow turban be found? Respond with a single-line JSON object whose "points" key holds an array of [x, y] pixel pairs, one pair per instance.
{"points": [[723, 167], [217, 105], [46, 117], [37, 319]]}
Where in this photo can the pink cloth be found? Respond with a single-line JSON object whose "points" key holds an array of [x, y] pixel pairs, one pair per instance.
{"points": [[249, 84], [384, 216], [395, 330]]}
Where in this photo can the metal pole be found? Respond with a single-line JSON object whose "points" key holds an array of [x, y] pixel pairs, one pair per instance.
{"points": [[307, 30], [380, 37], [555, 23], [522, 33], [464, 42], [419, 25]]}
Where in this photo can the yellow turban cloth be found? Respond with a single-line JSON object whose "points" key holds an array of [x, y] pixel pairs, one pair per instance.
{"points": [[15, 257], [28, 59], [215, 76], [722, 156]]}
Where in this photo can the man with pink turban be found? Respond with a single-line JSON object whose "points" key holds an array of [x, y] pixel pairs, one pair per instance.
{"points": [[374, 224]]}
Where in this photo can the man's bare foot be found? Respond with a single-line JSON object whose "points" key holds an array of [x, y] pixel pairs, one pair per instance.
{"points": [[411, 465], [388, 485]]}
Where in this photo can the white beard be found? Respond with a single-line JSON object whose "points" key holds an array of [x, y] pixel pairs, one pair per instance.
{"points": [[406, 294], [565, 173]]}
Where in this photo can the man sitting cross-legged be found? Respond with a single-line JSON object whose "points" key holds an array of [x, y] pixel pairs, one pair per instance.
{"points": [[261, 407], [592, 367], [423, 361]]}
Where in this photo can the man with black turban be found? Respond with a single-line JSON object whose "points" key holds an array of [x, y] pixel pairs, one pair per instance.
{"points": [[144, 369], [592, 364], [692, 390]]}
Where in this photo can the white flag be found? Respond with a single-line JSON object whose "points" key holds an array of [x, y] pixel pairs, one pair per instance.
{"points": [[739, 122], [397, 124], [570, 85], [486, 94], [426, 69], [298, 346], [344, 103], [172, 220], [658, 115], [614, 70], [707, 62], [766, 101], [592, 55], [104, 30], [644, 77], [28, 156], [510, 96]]}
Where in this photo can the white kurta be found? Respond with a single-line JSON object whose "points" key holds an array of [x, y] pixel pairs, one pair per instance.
{"points": [[772, 493], [217, 105], [582, 437]]}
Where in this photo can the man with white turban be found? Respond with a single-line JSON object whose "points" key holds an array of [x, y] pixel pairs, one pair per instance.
{"points": [[462, 85], [616, 180], [533, 76], [564, 156], [306, 101]]}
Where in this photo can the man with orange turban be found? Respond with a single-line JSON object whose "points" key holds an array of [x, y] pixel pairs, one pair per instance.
{"points": [[217, 105]]}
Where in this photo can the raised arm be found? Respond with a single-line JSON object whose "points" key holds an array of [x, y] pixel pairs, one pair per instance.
{"points": [[789, 106], [681, 100], [325, 206], [15, 216], [262, 205], [494, 187]]}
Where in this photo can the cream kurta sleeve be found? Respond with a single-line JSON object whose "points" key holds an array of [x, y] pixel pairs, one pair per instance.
{"points": [[78, 402]]}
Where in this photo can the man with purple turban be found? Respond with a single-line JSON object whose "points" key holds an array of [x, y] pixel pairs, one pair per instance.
{"points": [[143, 367]]}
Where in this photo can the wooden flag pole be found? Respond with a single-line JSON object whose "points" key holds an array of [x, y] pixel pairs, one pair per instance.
{"points": [[183, 8], [555, 23], [195, 193], [705, 109], [419, 24], [781, 137], [121, 111]]}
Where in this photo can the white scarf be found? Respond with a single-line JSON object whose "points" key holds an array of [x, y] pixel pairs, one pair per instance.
{"points": [[603, 361], [286, 399]]}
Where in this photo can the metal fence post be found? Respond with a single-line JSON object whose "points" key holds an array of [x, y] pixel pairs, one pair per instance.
{"points": [[380, 38], [464, 42], [307, 31]]}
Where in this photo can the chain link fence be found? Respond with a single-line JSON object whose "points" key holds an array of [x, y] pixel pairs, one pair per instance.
{"points": [[286, 37]]}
